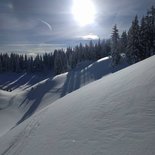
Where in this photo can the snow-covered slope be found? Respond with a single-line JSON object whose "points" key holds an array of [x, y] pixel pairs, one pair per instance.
{"points": [[114, 115], [9, 114], [30, 93]]}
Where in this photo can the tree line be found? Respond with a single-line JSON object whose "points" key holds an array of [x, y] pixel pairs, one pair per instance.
{"points": [[59, 61], [137, 44]]}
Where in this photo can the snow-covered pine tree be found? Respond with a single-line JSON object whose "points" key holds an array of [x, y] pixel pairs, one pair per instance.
{"points": [[133, 47], [115, 53]]}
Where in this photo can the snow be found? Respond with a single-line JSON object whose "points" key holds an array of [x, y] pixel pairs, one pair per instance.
{"points": [[113, 115], [30, 92]]}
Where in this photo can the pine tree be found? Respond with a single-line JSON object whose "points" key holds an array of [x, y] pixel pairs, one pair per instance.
{"points": [[92, 54], [143, 39], [115, 54], [123, 42], [25, 63], [17, 64], [106, 47], [133, 47], [0, 65], [151, 25], [60, 62], [98, 50], [30, 64]]}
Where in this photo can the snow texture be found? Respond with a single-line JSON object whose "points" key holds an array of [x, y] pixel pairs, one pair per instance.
{"points": [[27, 93], [113, 115]]}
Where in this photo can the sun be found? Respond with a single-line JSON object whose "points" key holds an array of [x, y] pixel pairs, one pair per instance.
{"points": [[84, 12]]}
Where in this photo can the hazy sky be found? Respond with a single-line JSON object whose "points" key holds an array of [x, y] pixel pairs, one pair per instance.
{"points": [[41, 21]]}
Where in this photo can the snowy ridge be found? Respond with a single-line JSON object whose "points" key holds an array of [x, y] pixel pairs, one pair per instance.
{"points": [[114, 115], [30, 93]]}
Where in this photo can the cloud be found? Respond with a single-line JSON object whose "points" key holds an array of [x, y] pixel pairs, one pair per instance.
{"points": [[31, 20], [90, 37]]}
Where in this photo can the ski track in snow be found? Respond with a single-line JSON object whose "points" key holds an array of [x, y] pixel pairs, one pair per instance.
{"points": [[20, 141]]}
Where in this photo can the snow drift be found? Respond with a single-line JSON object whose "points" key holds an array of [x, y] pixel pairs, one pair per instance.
{"points": [[114, 115], [30, 93]]}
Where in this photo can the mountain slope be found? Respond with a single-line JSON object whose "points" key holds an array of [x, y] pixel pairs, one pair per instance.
{"points": [[114, 115], [30, 92]]}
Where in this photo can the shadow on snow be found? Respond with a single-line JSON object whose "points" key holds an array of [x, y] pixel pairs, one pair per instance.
{"points": [[83, 74]]}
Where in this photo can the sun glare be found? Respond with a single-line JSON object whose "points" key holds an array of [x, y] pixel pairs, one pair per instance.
{"points": [[84, 12]]}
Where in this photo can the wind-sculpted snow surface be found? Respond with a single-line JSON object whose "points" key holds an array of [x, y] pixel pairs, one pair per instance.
{"points": [[114, 115], [21, 95]]}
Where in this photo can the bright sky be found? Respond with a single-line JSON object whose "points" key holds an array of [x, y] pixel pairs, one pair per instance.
{"points": [[60, 21]]}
